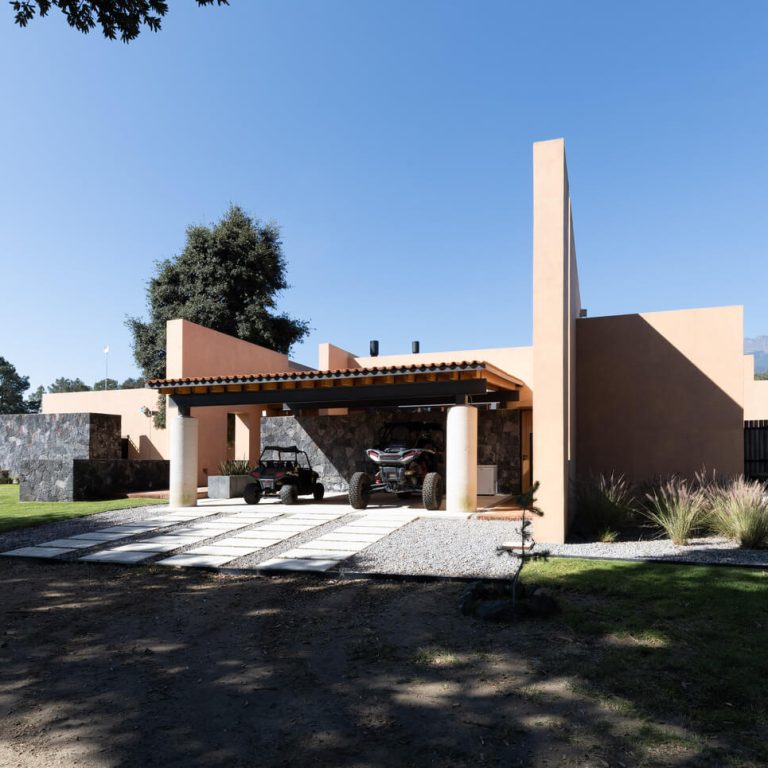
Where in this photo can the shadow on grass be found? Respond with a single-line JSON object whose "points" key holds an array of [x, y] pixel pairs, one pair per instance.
{"points": [[148, 666]]}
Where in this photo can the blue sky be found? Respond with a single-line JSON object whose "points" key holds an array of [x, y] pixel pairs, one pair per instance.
{"points": [[392, 143]]}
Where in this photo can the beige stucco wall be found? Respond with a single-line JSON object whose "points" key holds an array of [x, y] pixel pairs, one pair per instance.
{"points": [[661, 393], [556, 305], [755, 392], [193, 350], [332, 358], [144, 441]]}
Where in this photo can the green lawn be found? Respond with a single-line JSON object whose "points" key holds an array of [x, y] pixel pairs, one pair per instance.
{"points": [[681, 644], [17, 514]]}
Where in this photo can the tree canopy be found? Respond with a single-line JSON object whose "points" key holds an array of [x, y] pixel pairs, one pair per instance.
{"points": [[131, 383], [12, 388], [226, 278], [105, 384], [63, 384], [116, 17]]}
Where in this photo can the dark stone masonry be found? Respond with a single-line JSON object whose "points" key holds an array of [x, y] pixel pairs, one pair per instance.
{"points": [[72, 457], [336, 444], [57, 436]]}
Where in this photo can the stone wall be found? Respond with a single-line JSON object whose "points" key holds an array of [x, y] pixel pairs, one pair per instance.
{"points": [[336, 444], [57, 436], [112, 478], [72, 457], [89, 479], [46, 480]]}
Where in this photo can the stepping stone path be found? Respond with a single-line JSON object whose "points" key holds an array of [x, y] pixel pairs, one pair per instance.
{"points": [[329, 550], [247, 542], [65, 546], [274, 527]]}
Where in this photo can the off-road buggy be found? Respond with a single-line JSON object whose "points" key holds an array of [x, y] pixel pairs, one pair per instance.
{"points": [[283, 471], [407, 456]]}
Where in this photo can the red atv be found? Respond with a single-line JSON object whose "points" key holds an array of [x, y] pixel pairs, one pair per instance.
{"points": [[407, 456]]}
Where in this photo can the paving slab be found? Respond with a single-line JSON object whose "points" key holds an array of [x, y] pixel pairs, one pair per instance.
{"points": [[113, 556], [70, 543], [292, 529], [257, 533], [129, 530], [300, 553], [101, 536], [196, 561], [296, 564], [217, 549], [170, 538], [44, 552], [213, 525], [383, 530], [204, 532], [345, 546], [363, 538], [147, 546], [251, 544]]}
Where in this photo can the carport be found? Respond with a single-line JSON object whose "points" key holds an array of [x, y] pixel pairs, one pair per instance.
{"points": [[461, 387]]}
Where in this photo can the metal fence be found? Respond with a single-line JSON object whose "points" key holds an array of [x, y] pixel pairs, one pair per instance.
{"points": [[756, 449]]}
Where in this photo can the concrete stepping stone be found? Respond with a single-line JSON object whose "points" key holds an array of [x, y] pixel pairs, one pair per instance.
{"points": [[70, 543], [315, 554], [101, 536], [346, 546], [196, 561], [113, 556], [296, 564], [251, 544], [42, 552], [361, 537], [218, 549], [258, 536], [130, 530], [148, 546]]}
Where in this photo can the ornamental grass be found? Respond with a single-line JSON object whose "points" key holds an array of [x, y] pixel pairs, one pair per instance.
{"points": [[678, 507], [738, 510]]}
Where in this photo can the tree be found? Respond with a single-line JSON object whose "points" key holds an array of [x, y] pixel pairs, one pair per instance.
{"points": [[12, 389], [130, 383], [68, 385], [102, 384], [35, 401], [226, 278], [123, 17]]}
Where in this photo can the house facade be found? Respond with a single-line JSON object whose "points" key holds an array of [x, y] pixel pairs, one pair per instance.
{"points": [[643, 394]]}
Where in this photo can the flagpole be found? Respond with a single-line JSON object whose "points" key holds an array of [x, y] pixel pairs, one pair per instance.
{"points": [[106, 366]]}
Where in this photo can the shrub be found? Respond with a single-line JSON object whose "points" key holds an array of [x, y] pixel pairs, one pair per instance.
{"points": [[605, 505], [5, 477], [235, 467], [677, 507], [739, 511]]}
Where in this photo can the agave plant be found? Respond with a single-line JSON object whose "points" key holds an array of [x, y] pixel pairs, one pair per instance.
{"points": [[235, 467], [678, 507], [738, 510]]}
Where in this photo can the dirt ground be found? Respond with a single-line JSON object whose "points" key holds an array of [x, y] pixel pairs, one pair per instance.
{"points": [[107, 666]]}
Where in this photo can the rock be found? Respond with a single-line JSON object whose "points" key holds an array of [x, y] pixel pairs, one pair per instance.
{"points": [[541, 603], [495, 610]]}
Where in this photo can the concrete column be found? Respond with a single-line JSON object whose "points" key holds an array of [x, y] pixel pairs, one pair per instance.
{"points": [[461, 459], [183, 434]]}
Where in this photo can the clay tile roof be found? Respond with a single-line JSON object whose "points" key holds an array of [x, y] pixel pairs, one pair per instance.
{"points": [[338, 373]]}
